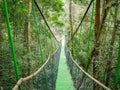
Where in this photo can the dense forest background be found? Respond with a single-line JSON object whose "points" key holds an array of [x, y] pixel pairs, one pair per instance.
{"points": [[98, 46], [23, 27]]}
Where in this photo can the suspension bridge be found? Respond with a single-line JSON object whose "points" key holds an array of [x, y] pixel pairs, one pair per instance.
{"points": [[60, 71]]}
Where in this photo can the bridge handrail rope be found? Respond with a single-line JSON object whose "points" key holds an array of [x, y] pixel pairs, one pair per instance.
{"points": [[21, 80], [81, 20], [87, 74], [44, 19]]}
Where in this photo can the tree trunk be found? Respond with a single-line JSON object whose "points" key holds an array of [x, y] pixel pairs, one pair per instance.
{"points": [[104, 14], [1, 37], [108, 68], [97, 20], [27, 35], [97, 32], [27, 42], [93, 52], [71, 23], [104, 33]]}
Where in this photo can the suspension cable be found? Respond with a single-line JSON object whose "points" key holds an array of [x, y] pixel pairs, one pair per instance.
{"points": [[82, 19], [44, 19]]}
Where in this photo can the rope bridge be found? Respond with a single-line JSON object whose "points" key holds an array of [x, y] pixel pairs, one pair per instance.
{"points": [[48, 76], [39, 79], [78, 75]]}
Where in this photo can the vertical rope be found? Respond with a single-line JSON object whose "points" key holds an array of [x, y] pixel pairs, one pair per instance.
{"points": [[46, 39], [89, 36], [88, 42], [39, 43], [79, 42], [38, 35], [117, 68], [55, 43], [11, 41]]}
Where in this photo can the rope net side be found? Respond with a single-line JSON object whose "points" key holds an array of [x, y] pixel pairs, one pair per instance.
{"points": [[81, 79], [44, 77]]}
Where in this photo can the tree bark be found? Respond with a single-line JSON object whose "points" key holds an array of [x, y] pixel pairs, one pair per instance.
{"points": [[109, 63], [97, 32], [93, 52], [27, 41], [27, 35], [104, 15], [97, 20]]}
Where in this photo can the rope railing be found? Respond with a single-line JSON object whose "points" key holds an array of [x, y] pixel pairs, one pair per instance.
{"points": [[71, 61], [21, 80], [29, 77]]}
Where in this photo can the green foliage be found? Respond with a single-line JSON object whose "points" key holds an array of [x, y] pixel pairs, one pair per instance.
{"points": [[18, 12], [81, 2], [57, 18], [60, 24], [104, 47], [52, 9], [54, 16]]}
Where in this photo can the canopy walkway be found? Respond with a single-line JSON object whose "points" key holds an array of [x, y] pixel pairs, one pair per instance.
{"points": [[59, 71], [64, 79]]}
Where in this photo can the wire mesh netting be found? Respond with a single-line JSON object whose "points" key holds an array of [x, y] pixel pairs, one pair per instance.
{"points": [[46, 78], [80, 80]]}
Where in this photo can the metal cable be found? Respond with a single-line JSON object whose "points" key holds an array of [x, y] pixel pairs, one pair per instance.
{"points": [[82, 19], [44, 19]]}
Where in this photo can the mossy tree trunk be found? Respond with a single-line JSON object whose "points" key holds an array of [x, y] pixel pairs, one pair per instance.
{"points": [[96, 33], [27, 35], [27, 41]]}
